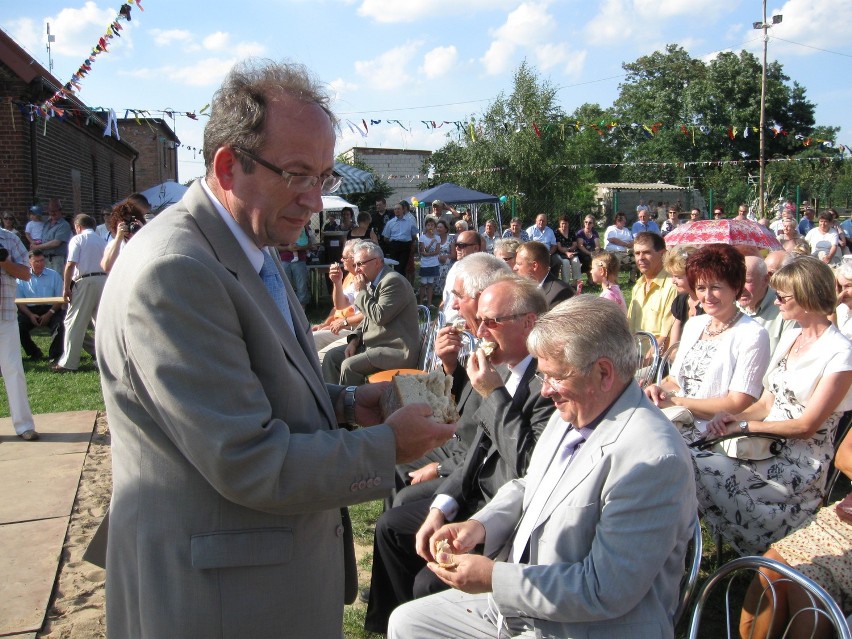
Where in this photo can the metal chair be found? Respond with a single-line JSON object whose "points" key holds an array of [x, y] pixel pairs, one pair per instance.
{"points": [[666, 362], [693, 566], [424, 319], [647, 357], [821, 602]]}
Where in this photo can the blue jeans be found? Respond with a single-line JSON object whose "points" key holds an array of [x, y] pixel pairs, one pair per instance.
{"points": [[297, 273]]}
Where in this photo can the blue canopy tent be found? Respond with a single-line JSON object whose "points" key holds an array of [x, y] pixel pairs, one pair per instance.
{"points": [[455, 194]]}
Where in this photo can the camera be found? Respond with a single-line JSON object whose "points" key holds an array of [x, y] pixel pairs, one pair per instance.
{"points": [[4, 254], [134, 227]]}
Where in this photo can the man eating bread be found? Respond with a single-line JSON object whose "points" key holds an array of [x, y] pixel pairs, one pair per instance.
{"points": [[508, 418]]}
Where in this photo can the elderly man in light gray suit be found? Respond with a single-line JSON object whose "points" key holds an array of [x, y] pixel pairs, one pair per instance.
{"points": [[389, 335], [230, 470], [591, 542]]}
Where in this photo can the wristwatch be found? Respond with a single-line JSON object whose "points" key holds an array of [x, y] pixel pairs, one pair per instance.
{"points": [[743, 426], [349, 405], [345, 322]]}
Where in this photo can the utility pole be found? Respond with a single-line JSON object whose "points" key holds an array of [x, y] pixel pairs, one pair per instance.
{"points": [[765, 27], [50, 40]]}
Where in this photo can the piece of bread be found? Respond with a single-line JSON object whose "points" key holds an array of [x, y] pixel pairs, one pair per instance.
{"points": [[444, 556], [487, 347], [433, 389]]}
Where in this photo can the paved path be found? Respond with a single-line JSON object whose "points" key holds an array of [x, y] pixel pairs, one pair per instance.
{"points": [[39, 483]]}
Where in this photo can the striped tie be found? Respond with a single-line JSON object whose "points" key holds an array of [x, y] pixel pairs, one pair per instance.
{"points": [[275, 285]]}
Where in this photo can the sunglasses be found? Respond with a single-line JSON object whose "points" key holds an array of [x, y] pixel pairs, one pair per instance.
{"points": [[464, 245]]}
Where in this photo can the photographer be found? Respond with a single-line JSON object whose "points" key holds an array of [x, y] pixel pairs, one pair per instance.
{"points": [[126, 220]]}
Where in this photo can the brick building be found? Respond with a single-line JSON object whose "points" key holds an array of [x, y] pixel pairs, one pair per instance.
{"points": [[69, 157], [157, 145], [401, 169]]}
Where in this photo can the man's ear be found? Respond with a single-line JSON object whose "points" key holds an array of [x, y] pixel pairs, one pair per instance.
{"points": [[223, 167], [607, 374]]}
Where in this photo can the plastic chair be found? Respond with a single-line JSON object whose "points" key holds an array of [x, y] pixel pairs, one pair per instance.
{"points": [[647, 357], [822, 603], [666, 362], [693, 567]]}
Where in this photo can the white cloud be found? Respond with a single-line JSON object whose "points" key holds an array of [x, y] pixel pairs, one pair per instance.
{"points": [[526, 27], [24, 32], [165, 37], [248, 49], [206, 72], [439, 61], [818, 23], [77, 30], [388, 71], [559, 56], [612, 24], [413, 10], [662, 9], [216, 41], [340, 88]]}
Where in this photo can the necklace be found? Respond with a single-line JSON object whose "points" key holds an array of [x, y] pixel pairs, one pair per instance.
{"points": [[728, 325], [804, 344]]}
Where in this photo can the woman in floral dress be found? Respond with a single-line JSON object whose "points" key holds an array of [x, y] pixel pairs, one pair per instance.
{"points": [[754, 503]]}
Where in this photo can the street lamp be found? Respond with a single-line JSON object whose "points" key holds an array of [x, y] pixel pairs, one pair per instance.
{"points": [[765, 26]]}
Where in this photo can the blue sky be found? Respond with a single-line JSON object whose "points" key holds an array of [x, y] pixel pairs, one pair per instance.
{"points": [[414, 60]]}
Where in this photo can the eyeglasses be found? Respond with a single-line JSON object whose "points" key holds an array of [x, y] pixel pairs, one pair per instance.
{"points": [[553, 382], [497, 321], [464, 245], [783, 298], [296, 182], [346, 257], [360, 264]]}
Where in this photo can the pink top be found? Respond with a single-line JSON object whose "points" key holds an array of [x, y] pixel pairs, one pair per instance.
{"points": [[613, 293]]}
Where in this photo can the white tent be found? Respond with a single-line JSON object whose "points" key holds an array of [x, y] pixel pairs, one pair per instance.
{"points": [[336, 203], [164, 195]]}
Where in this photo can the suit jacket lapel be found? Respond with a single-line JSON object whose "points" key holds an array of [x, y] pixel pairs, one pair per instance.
{"points": [[296, 347]]}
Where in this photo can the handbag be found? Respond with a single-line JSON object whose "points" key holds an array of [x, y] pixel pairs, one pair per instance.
{"points": [[745, 446]]}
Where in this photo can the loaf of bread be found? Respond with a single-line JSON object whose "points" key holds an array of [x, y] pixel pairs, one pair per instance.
{"points": [[433, 389]]}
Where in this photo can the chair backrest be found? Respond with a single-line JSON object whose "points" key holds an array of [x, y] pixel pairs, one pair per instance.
{"points": [[427, 336], [821, 602], [833, 473], [666, 362], [693, 566], [647, 357]]}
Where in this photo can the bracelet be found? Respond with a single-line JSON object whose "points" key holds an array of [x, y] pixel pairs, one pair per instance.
{"points": [[349, 405]]}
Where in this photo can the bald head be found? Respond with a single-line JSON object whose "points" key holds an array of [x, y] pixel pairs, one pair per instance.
{"points": [[774, 261], [756, 283]]}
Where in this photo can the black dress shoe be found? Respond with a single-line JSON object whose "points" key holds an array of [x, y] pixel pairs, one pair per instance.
{"points": [[364, 595]]}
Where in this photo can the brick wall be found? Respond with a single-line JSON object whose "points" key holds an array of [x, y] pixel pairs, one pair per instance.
{"points": [[71, 160], [157, 151]]}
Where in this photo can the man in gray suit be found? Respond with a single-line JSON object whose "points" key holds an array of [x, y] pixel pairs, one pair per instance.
{"points": [[389, 335], [591, 542], [229, 469]]}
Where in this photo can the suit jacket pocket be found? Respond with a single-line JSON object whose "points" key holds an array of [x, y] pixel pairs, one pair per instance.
{"points": [[236, 548]]}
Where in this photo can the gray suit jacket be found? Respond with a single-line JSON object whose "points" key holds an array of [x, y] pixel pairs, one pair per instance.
{"points": [[607, 552], [229, 470], [390, 331]]}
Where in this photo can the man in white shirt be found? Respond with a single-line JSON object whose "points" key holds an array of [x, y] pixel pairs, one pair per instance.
{"points": [[83, 274], [467, 243]]}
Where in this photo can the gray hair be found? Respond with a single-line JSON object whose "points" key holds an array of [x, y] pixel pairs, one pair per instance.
{"points": [[461, 226], [478, 271], [844, 270], [240, 105], [369, 247], [508, 246], [759, 266], [583, 329]]}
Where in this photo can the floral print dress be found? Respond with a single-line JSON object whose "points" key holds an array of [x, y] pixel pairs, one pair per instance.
{"points": [[754, 503]]}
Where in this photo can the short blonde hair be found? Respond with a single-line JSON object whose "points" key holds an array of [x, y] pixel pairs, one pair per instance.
{"points": [[675, 259], [609, 261], [810, 281]]}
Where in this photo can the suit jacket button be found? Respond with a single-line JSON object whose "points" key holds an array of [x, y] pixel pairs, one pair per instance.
{"points": [[339, 530], [354, 486], [362, 484], [377, 482], [370, 483]]}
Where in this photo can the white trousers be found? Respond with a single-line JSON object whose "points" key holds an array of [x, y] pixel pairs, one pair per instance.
{"points": [[571, 269], [13, 375]]}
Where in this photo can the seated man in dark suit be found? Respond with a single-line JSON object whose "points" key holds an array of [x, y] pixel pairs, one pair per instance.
{"points": [[389, 335], [533, 262], [419, 479], [43, 282], [511, 415]]}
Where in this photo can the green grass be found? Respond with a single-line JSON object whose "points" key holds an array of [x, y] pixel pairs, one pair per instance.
{"points": [[51, 392]]}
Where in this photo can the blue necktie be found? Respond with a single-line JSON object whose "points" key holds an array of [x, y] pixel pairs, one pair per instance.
{"points": [[275, 285]]}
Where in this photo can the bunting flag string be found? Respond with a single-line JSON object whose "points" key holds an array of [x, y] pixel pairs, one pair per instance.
{"points": [[47, 109]]}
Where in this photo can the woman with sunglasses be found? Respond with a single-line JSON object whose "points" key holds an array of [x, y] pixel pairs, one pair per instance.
{"points": [[588, 241], [755, 503]]}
